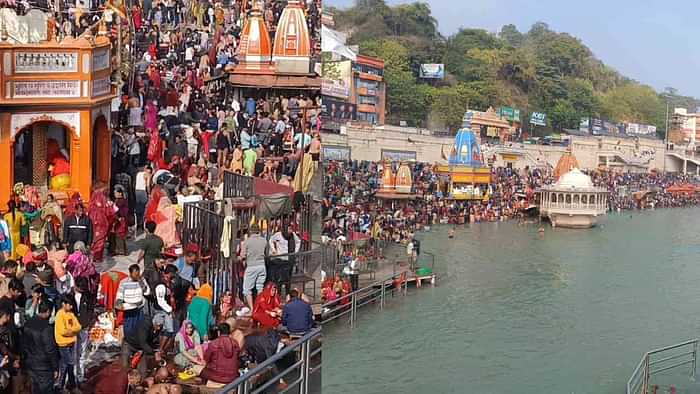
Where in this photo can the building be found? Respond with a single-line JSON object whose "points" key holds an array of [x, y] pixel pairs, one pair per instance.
{"points": [[368, 92], [573, 202], [55, 112]]}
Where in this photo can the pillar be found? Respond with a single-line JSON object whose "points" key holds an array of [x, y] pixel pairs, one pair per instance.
{"points": [[7, 158], [685, 166]]}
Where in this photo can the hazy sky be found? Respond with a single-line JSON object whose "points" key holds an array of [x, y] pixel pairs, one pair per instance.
{"points": [[652, 41]]}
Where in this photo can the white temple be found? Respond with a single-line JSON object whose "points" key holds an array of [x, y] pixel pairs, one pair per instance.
{"points": [[573, 202]]}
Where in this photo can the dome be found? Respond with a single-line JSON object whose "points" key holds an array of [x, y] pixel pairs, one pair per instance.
{"points": [[566, 163], [292, 35], [466, 150], [574, 179]]}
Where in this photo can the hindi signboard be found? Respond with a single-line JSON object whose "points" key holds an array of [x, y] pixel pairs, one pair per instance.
{"points": [[398, 155], [55, 89], [102, 86], [335, 153], [335, 81], [432, 71], [509, 113], [100, 60], [538, 119]]}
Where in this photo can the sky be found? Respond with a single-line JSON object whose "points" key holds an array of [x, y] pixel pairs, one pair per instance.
{"points": [[651, 41]]}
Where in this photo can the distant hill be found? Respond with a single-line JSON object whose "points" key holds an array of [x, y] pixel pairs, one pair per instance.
{"points": [[538, 70]]}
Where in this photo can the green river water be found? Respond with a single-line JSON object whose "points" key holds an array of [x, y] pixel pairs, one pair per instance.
{"points": [[570, 311]]}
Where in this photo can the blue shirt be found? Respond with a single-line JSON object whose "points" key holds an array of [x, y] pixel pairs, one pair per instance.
{"points": [[297, 316], [250, 107]]}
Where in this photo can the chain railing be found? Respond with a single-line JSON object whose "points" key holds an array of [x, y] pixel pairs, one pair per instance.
{"points": [[661, 360], [298, 376]]}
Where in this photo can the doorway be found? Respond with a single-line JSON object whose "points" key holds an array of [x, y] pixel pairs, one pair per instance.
{"points": [[39, 147]]}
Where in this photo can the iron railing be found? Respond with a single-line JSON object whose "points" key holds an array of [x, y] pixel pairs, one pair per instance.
{"points": [[298, 376], [661, 360], [350, 303], [237, 185]]}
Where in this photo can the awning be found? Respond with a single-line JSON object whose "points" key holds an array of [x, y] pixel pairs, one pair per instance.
{"points": [[267, 188], [275, 81]]}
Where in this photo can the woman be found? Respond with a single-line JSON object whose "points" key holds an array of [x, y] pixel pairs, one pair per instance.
{"points": [[101, 212], [52, 218], [151, 117], [200, 311], [267, 311], [121, 224], [237, 160], [166, 218], [188, 346], [15, 220], [228, 307]]}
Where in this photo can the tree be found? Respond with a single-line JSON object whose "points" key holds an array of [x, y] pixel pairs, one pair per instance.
{"points": [[329, 68], [563, 115], [511, 35]]}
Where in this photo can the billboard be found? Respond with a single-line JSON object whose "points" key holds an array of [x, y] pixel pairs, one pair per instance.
{"points": [[585, 125], [639, 129], [398, 155], [538, 119], [432, 71], [335, 113], [335, 153], [509, 113], [336, 79]]}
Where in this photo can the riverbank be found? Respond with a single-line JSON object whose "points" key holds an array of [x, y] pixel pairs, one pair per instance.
{"points": [[521, 312]]}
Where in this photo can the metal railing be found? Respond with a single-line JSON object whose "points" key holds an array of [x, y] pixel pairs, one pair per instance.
{"points": [[350, 303], [661, 360], [264, 377], [237, 185]]}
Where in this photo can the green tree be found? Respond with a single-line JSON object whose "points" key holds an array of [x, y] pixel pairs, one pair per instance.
{"points": [[511, 35], [563, 115]]}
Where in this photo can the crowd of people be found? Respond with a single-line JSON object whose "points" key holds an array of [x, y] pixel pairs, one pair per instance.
{"points": [[351, 210], [173, 137]]}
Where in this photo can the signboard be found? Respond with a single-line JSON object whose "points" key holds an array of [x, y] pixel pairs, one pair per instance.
{"points": [[336, 79], [335, 153], [509, 113], [215, 85], [100, 87], [46, 62], [585, 125], [398, 155], [646, 129], [100, 60], [57, 89], [337, 110], [432, 71], [538, 119]]}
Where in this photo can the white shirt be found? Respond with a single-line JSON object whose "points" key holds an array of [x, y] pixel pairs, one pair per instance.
{"points": [[140, 183], [189, 54]]}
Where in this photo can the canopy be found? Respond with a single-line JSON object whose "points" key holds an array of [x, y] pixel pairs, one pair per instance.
{"points": [[273, 205], [334, 42], [266, 188]]}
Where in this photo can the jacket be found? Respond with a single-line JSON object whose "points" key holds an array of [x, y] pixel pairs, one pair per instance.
{"points": [[297, 316], [66, 329], [85, 310], [38, 345], [142, 337], [222, 360], [77, 229]]}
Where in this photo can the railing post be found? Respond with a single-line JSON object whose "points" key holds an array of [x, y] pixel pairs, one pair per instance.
{"points": [[695, 360], [381, 296], [645, 381], [353, 310], [306, 351]]}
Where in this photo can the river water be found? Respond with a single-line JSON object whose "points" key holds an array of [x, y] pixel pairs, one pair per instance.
{"points": [[569, 311]]}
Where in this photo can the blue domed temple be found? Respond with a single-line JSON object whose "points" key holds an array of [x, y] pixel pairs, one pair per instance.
{"points": [[468, 176]]}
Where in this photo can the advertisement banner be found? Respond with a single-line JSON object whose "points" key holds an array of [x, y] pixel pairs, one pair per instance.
{"points": [[509, 113], [335, 153], [597, 126], [538, 119], [335, 113], [336, 79], [432, 71], [585, 125], [398, 155]]}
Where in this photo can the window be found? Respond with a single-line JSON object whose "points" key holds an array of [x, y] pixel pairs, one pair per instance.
{"points": [[576, 199], [370, 85], [367, 117], [554, 197], [568, 198], [367, 100], [584, 199]]}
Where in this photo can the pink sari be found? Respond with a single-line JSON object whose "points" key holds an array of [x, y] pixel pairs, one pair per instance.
{"points": [[165, 221], [151, 118]]}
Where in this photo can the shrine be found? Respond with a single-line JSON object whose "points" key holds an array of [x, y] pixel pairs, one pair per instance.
{"points": [[468, 176], [55, 114]]}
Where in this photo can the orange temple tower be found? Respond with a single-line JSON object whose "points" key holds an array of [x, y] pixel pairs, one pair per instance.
{"points": [[292, 47], [55, 114], [256, 47]]}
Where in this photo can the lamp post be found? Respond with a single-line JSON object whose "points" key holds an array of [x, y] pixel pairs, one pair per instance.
{"points": [[666, 136]]}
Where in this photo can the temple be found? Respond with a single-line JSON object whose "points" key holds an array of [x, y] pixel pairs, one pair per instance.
{"points": [[255, 46], [468, 177], [54, 111], [292, 49], [573, 202], [566, 163]]}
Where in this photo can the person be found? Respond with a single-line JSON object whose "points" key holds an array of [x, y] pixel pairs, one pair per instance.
{"points": [[200, 311], [9, 341], [39, 350], [121, 224], [130, 297], [15, 220], [66, 330], [221, 357], [77, 227], [141, 189], [150, 247], [297, 315], [164, 303], [142, 340], [166, 219], [189, 347], [255, 274], [282, 243], [84, 301], [267, 310]]}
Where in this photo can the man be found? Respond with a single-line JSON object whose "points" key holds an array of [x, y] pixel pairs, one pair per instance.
{"points": [[150, 247], [297, 315], [189, 267], [39, 350], [163, 305], [76, 228], [142, 340], [66, 332], [282, 243], [221, 357], [255, 273], [85, 311], [132, 291]]}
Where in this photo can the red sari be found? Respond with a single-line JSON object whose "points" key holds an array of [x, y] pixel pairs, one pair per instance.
{"points": [[264, 303], [101, 212], [152, 206]]}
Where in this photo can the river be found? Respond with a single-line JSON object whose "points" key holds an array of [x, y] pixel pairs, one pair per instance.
{"points": [[569, 311]]}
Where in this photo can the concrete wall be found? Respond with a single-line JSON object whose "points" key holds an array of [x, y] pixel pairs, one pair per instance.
{"points": [[367, 143]]}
